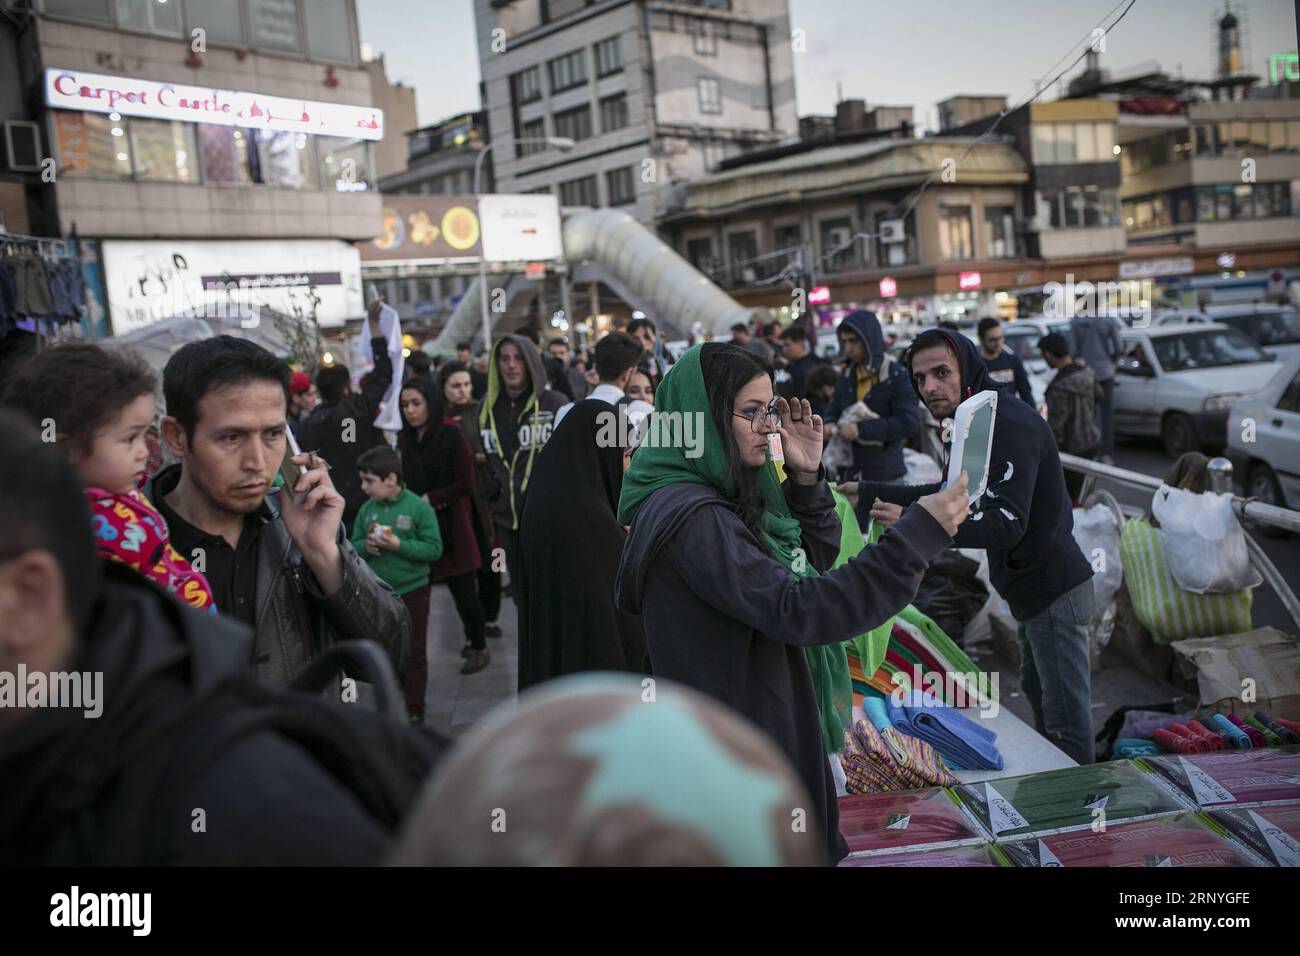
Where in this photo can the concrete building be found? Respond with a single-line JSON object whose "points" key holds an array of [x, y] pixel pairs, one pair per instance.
{"points": [[654, 93], [203, 146], [398, 103]]}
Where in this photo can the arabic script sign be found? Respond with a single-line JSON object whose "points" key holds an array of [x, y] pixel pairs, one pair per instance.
{"points": [[75, 90], [1283, 65]]}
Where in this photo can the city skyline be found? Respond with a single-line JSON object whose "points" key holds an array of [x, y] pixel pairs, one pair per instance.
{"points": [[839, 56]]}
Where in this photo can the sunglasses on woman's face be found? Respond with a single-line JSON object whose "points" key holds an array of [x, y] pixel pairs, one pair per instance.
{"points": [[762, 418]]}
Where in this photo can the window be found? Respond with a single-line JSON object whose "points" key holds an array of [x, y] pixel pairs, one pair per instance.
{"points": [[1293, 136], [575, 123], [706, 40], [621, 185], [528, 85], [838, 248], [275, 25], [579, 192], [568, 71], [93, 10], [956, 239], [1074, 143], [1067, 150], [710, 95], [150, 16], [329, 30], [714, 153], [1290, 400], [1078, 207], [788, 236], [1243, 202], [613, 112], [344, 163], [164, 150], [1207, 141], [699, 252], [224, 153], [1000, 231], [1277, 138], [1105, 133], [286, 160], [88, 146], [1085, 139], [609, 56], [1044, 143], [1210, 349], [742, 246], [534, 132], [222, 20]]}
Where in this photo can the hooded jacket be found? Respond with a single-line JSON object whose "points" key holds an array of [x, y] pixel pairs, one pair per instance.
{"points": [[878, 450], [1024, 519], [294, 618], [514, 430], [1072, 397], [78, 791]]}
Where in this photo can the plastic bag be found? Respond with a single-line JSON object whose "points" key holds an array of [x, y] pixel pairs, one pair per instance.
{"points": [[921, 469], [1096, 532], [1204, 545]]}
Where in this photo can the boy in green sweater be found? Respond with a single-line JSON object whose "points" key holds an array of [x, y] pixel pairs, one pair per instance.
{"points": [[397, 532]]}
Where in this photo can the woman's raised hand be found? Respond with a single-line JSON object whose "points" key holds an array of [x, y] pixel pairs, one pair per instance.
{"points": [[801, 436]]}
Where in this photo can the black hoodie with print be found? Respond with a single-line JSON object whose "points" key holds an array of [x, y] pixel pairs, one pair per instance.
{"points": [[1024, 519]]}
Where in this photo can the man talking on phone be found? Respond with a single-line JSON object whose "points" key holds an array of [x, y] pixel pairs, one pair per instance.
{"points": [[277, 559], [1025, 523]]}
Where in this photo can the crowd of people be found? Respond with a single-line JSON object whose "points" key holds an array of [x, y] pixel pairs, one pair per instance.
{"points": [[705, 569]]}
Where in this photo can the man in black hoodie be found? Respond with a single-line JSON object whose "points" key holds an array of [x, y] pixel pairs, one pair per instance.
{"points": [[98, 776], [517, 416], [1025, 523]]}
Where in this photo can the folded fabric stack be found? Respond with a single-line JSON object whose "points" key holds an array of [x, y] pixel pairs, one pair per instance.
{"points": [[960, 741], [872, 765], [1273, 831], [1184, 840], [1169, 734], [1235, 777], [896, 821]]}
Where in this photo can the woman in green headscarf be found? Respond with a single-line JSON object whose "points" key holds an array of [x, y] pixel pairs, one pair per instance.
{"points": [[726, 566]]}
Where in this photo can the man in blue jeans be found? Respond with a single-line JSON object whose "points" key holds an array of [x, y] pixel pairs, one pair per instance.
{"points": [[1025, 523]]}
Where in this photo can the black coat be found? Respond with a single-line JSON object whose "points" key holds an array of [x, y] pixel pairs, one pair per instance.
{"points": [[570, 543], [725, 617], [265, 799]]}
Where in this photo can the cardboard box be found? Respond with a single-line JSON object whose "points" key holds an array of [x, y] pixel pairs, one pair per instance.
{"points": [[1217, 669]]}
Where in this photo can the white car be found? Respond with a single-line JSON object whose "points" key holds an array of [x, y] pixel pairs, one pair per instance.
{"points": [[1264, 439], [1177, 382], [1275, 327]]}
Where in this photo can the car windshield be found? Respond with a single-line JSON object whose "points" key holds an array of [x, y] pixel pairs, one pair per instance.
{"points": [[1212, 348], [1268, 328], [1024, 341]]}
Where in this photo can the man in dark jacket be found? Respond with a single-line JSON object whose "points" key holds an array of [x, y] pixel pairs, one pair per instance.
{"points": [[87, 777], [342, 426], [277, 559], [873, 378], [792, 380], [517, 416], [1072, 397], [1025, 522], [1095, 341], [1005, 368]]}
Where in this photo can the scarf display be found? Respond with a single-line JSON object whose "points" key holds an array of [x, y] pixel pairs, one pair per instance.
{"points": [[889, 822], [873, 765], [658, 465], [1237, 777], [1183, 840], [1273, 831], [984, 855], [1062, 800], [964, 744]]}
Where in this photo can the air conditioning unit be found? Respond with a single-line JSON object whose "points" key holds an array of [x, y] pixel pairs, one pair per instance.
{"points": [[892, 230], [23, 146], [837, 240]]}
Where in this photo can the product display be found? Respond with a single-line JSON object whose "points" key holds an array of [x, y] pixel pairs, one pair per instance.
{"points": [[1183, 840], [982, 855], [873, 764], [1238, 777], [963, 743], [1071, 799], [1273, 831], [872, 823]]}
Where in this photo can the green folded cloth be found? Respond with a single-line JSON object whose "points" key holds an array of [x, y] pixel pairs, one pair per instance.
{"points": [[1273, 739]]}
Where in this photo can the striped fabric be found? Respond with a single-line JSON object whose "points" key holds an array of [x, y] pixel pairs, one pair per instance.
{"points": [[1165, 609]]}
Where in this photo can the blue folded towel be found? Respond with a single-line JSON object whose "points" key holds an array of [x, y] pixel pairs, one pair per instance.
{"points": [[1135, 747], [876, 713], [1240, 739], [963, 743]]}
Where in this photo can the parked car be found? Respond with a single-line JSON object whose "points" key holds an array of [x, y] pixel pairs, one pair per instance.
{"points": [[1022, 336], [1264, 439], [1177, 382], [1275, 327]]}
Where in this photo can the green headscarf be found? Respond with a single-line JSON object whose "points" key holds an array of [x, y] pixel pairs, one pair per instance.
{"points": [[656, 466]]}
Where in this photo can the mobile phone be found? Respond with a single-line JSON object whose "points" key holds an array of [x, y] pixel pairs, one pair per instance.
{"points": [[289, 472]]}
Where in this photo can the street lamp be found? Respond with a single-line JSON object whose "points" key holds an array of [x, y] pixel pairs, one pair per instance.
{"points": [[563, 144]]}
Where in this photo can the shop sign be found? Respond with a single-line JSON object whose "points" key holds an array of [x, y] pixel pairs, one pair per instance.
{"points": [[426, 228], [968, 280], [888, 288], [520, 228], [96, 93], [1150, 268], [820, 295], [535, 270], [1283, 65]]}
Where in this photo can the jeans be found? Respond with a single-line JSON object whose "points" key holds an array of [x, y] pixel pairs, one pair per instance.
{"points": [[1105, 415], [415, 673], [1055, 674]]}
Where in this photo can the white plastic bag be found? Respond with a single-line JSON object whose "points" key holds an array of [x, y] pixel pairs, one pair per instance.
{"points": [[1205, 548], [1096, 532], [921, 469]]}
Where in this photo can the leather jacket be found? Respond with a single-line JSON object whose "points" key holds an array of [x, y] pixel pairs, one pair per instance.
{"points": [[295, 620]]}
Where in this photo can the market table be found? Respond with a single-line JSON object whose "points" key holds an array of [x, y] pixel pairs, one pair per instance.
{"points": [[1024, 750]]}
